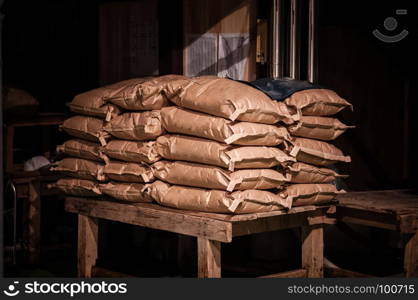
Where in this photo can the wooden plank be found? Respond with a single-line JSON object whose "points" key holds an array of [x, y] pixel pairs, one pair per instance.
{"points": [[87, 245], [321, 220], [411, 256], [272, 223], [246, 217], [313, 251], [208, 258], [337, 272], [152, 216], [389, 201], [106, 273], [33, 225], [367, 218], [370, 223], [299, 273]]}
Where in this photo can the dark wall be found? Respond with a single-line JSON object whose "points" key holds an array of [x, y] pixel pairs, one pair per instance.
{"points": [[380, 80], [50, 48]]}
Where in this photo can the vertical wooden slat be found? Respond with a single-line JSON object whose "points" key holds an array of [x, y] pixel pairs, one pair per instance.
{"points": [[411, 256], [209, 258], [87, 244], [313, 250]]}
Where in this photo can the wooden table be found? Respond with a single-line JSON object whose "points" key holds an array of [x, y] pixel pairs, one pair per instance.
{"points": [[393, 210], [210, 229]]}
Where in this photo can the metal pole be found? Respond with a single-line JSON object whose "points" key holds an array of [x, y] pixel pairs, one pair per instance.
{"points": [[275, 70], [312, 63], [293, 58]]}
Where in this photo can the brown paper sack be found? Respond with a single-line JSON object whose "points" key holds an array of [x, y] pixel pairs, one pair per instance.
{"points": [[317, 152], [215, 201], [192, 149], [303, 173], [93, 102], [321, 128], [309, 194], [81, 149], [128, 172], [81, 168], [77, 187], [145, 95], [211, 177], [136, 126], [317, 102], [86, 128], [228, 99], [179, 120], [132, 192], [132, 151]]}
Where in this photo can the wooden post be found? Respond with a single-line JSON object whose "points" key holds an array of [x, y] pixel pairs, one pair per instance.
{"points": [[87, 244], [33, 225], [208, 258], [313, 250], [411, 256]]}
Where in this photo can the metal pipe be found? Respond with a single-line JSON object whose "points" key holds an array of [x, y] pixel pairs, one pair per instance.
{"points": [[275, 70], [293, 58], [312, 63]]}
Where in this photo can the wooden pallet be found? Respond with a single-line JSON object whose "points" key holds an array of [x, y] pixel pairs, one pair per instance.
{"points": [[210, 230]]}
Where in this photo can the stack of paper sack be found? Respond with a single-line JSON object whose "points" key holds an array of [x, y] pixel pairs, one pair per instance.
{"points": [[229, 148], [113, 141]]}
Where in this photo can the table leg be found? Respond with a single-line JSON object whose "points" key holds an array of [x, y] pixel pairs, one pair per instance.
{"points": [[208, 258], [313, 250], [87, 244], [33, 227], [411, 256]]}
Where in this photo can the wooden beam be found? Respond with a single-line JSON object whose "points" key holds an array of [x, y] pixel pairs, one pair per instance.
{"points": [[367, 218], [208, 258], [411, 256], [313, 251], [152, 216], [300, 273], [273, 223], [337, 272], [87, 245], [321, 220], [370, 223]]}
